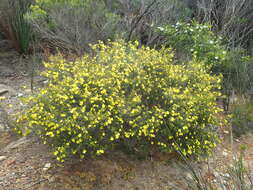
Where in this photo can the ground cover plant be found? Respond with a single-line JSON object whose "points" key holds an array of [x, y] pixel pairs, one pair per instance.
{"points": [[125, 94]]}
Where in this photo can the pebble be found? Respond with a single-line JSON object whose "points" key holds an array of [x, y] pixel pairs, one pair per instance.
{"points": [[3, 91], [2, 158], [47, 166], [6, 89], [225, 153]]}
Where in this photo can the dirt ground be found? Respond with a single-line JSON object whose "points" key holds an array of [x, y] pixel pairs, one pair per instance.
{"points": [[27, 164]]}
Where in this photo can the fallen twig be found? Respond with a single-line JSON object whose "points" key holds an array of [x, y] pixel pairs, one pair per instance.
{"points": [[33, 184]]}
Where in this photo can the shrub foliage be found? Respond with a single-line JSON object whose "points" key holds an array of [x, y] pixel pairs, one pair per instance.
{"points": [[194, 40], [242, 120], [73, 24], [124, 93], [198, 41]]}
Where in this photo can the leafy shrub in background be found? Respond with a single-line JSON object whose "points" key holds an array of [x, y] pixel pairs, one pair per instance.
{"points": [[14, 25], [237, 74], [194, 40], [72, 25], [230, 18], [198, 41], [237, 71], [141, 18], [242, 117], [124, 94]]}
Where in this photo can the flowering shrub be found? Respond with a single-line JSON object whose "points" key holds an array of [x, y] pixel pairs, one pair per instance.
{"points": [[195, 40], [123, 93], [198, 41]]}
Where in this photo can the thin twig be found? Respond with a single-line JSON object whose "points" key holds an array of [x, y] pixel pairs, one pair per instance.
{"points": [[33, 184]]}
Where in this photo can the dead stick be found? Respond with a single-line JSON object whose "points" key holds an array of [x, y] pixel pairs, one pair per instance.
{"points": [[35, 183]]}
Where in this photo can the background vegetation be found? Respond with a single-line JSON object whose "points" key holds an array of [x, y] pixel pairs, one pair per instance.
{"points": [[13, 24]]}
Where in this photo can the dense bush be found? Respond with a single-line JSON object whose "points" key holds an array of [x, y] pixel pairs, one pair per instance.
{"points": [[194, 40], [120, 94], [74, 24], [237, 74], [230, 18], [242, 117]]}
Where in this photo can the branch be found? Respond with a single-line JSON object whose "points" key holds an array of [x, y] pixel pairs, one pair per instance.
{"points": [[33, 184], [139, 19]]}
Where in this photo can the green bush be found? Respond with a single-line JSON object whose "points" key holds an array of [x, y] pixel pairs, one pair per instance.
{"points": [[237, 71], [124, 93], [237, 77], [194, 40], [242, 117], [198, 41], [72, 25], [230, 18]]}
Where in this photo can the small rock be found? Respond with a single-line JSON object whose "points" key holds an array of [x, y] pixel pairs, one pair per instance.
{"points": [[189, 175], [3, 91], [47, 166], [2, 158], [6, 89], [225, 153], [216, 174], [20, 94]]}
